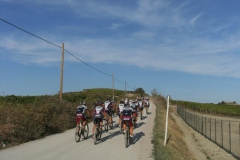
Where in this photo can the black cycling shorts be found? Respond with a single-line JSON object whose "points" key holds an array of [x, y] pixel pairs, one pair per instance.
{"points": [[96, 120]]}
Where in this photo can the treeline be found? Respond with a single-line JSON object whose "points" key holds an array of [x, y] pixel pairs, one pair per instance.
{"points": [[26, 118], [220, 109]]}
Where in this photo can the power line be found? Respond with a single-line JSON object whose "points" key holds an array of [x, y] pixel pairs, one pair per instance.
{"points": [[29, 33], [88, 64], [118, 80], [129, 87], [60, 47]]}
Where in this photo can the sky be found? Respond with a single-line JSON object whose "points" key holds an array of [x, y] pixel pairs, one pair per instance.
{"points": [[187, 49]]}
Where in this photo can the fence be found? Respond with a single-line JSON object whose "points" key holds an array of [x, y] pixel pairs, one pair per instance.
{"points": [[224, 133]]}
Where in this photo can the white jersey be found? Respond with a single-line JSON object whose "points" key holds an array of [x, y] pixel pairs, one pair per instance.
{"points": [[120, 106], [106, 104], [130, 103], [140, 104], [98, 112], [147, 102], [82, 109], [126, 101]]}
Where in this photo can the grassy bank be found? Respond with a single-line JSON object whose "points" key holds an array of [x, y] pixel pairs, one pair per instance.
{"points": [[26, 118], [176, 148]]}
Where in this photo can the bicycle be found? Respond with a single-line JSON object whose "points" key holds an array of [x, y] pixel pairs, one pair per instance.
{"points": [[141, 112], [121, 127], [81, 131], [107, 124], [127, 135], [146, 108], [97, 133]]}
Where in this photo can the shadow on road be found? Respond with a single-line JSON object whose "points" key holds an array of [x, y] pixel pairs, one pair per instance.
{"points": [[137, 137], [143, 117], [149, 113], [140, 124], [110, 135]]}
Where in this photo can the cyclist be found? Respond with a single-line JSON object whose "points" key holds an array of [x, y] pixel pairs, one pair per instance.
{"points": [[141, 106], [126, 101], [113, 107], [97, 114], [126, 116], [80, 114], [98, 103], [147, 105], [135, 115], [108, 108], [130, 102], [120, 109]]}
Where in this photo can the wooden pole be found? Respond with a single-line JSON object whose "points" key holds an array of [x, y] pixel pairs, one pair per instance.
{"points": [[125, 88], [113, 84], [61, 74]]}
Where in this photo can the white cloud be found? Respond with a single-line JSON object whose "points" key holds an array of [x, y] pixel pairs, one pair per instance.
{"points": [[195, 19], [163, 39]]}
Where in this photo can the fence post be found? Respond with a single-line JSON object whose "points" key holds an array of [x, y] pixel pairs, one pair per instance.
{"points": [[215, 131], [166, 127], [202, 125], [197, 123], [205, 128], [210, 128], [222, 132], [230, 145]]}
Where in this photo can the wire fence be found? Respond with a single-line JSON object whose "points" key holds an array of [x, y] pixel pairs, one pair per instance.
{"points": [[224, 133]]}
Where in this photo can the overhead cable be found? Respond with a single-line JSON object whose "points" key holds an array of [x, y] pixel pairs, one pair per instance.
{"points": [[59, 47], [29, 33]]}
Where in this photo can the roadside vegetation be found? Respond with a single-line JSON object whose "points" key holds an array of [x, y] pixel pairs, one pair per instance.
{"points": [[222, 109], [26, 118], [176, 148]]}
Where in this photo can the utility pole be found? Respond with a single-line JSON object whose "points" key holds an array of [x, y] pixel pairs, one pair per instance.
{"points": [[113, 84], [61, 73], [125, 88]]}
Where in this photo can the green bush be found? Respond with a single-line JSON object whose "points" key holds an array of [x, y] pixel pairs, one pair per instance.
{"points": [[25, 118]]}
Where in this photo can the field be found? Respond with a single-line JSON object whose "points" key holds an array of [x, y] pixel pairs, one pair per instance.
{"points": [[209, 108], [220, 125]]}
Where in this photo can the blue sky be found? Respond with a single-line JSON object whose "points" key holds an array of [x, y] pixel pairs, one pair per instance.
{"points": [[187, 49]]}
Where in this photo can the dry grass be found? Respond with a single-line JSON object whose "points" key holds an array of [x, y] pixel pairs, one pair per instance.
{"points": [[176, 148]]}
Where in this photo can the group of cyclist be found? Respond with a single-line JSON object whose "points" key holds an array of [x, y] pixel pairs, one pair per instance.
{"points": [[127, 111]]}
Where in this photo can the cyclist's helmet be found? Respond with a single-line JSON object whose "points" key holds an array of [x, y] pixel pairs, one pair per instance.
{"points": [[99, 102], [83, 103]]}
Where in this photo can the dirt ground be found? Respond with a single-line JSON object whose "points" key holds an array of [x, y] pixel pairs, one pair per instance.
{"points": [[198, 145]]}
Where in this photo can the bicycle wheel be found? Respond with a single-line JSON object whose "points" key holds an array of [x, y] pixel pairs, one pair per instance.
{"points": [[106, 125], [126, 137], [99, 134], [85, 131], [111, 124], [77, 134], [95, 136], [120, 127]]}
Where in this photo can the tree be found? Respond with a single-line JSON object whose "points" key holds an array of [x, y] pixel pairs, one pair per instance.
{"points": [[154, 93], [140, 91]]}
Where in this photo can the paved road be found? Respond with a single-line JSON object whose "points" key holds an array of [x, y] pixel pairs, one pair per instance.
{"points": [[63, 146]]}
